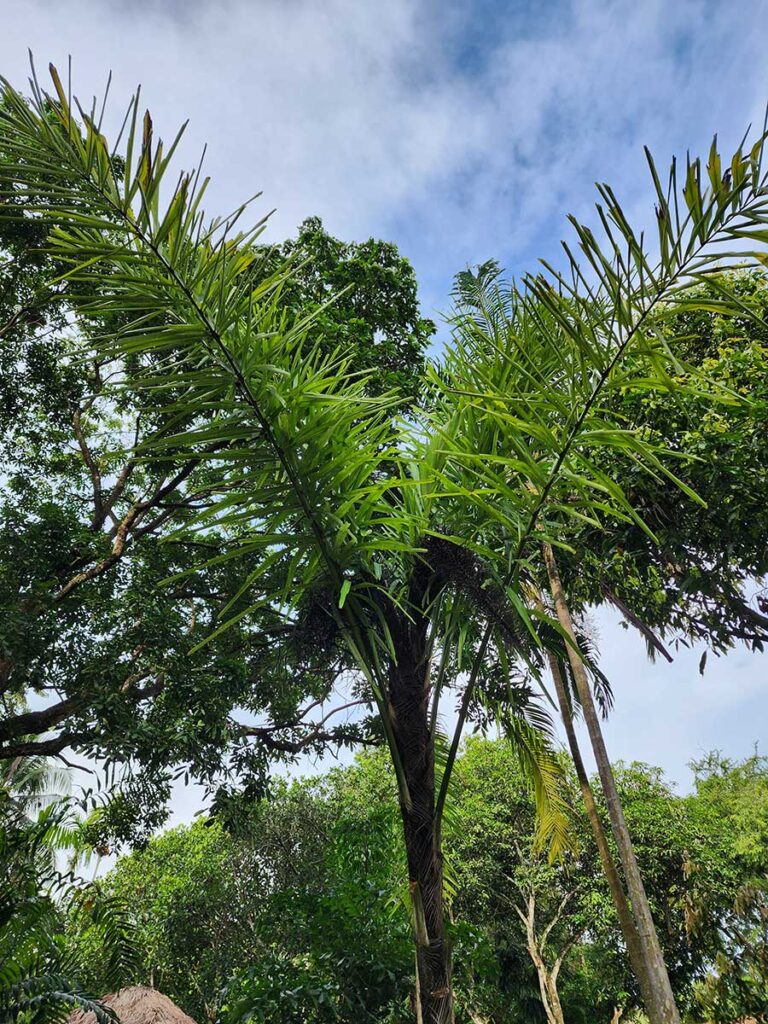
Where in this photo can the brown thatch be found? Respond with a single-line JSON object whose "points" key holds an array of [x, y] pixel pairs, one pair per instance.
{"points": [[138, 1004]]}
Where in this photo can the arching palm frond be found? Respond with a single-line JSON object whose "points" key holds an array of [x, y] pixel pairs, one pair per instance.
{"points": [[33, 783], [303, 456], [525, 409], [39, 972], [534, 368], [45, 998]]}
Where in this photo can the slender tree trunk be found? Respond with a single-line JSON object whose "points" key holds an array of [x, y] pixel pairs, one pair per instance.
{"points": [[550, 997], [661, 1007], [409, 696], [623, 911]]}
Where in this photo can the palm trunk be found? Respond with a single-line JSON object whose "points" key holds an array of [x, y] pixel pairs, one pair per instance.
{"points": [[409, 696], [661, 1006], [623, 912]]}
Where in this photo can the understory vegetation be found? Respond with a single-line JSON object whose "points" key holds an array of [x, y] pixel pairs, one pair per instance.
{"points": [[301, 913]]}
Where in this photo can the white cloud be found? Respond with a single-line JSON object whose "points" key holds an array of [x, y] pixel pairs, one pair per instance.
{"points": [[358, 111]]}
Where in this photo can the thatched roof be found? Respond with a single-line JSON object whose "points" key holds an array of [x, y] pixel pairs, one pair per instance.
{"points": [[138, 1004]]}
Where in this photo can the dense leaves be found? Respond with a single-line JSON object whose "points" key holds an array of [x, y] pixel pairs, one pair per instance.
{"points": [[303, 913], [363, 297], [42, 976], [700, 580]]}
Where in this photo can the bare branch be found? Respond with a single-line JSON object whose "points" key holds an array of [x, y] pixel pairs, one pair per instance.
{"points": [[267, 734], [558, 914], [36, 722], [93, 469], [55, 745]]}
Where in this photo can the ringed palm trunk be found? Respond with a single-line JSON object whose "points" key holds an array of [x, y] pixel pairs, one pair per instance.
{"points": [[623, 911], [661, 1006], [409, 696]]}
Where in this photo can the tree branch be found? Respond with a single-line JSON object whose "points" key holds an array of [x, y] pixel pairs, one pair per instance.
{"points": [[36, 722], [93, 469], [558, 914], [126, 526], [54, 746], [267, 733]]}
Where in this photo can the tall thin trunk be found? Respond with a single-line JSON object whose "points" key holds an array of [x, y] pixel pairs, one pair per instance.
{"points": [[409, 696], [661, 1007], [623, 911]]}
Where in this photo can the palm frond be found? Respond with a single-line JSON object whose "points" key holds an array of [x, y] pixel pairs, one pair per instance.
{"points": [[529, 730], [533, 368], [300, 448]]}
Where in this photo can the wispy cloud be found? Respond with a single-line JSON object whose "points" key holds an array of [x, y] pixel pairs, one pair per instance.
{"points": [[461, 134]]}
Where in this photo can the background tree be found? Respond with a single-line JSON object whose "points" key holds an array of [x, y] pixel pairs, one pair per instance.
{"points": [[364, 300], [534, 910], [297, 906], [731, 800], [295, 909]]}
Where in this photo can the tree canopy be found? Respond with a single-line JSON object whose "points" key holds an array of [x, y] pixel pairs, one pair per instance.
{"points": [[309, 905]]}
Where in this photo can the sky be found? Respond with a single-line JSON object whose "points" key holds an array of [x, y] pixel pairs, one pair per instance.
{"points": [[461, 131]]}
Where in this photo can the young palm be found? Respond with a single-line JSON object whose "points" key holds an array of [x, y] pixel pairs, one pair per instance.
{"points": [[40, 977]]}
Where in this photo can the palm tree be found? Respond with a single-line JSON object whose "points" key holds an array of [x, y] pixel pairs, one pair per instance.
{"points": [[581, 336], [33, 783], [39, 975], [416, 544]]}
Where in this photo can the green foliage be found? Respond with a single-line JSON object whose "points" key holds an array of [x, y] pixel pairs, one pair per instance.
{"points": [[387, 541], [732, 797], [85, 533], [303, 456], [43, 976], [303, 911], [362, 297], [696, 581], [289, 466], [192, 914], [303, 907]]}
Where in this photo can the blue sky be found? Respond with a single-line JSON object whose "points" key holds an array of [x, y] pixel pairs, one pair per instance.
{"points": [[461, 131]]}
